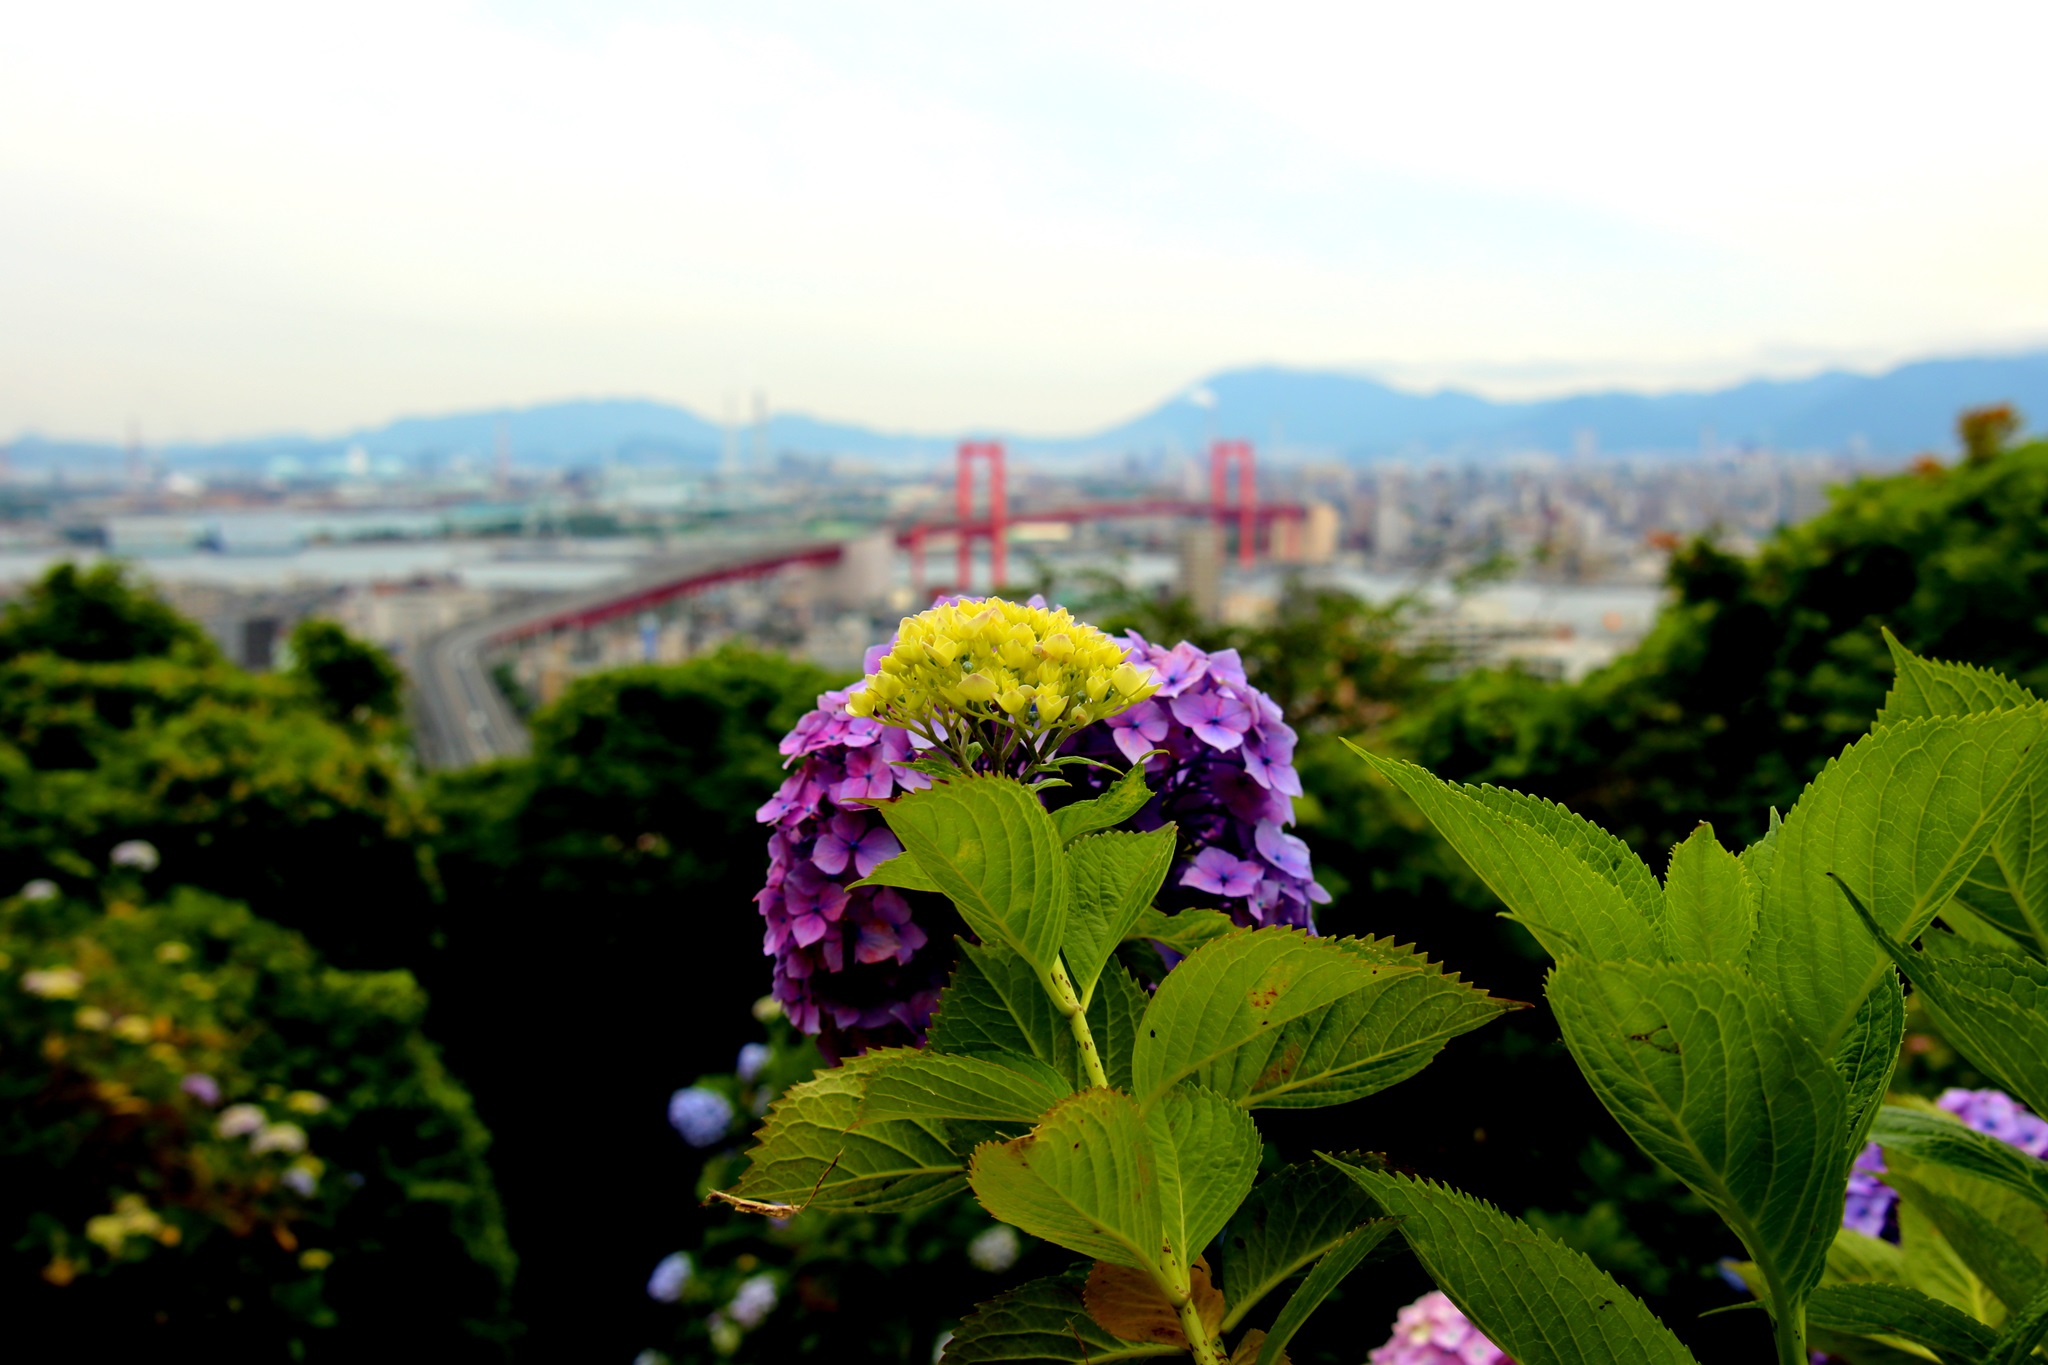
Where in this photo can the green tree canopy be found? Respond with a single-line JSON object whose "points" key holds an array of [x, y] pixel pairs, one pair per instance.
{"points": [[98, 615]]}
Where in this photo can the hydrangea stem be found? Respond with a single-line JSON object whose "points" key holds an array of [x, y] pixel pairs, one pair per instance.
{"points": [[1199, 1341], [1067, 1001]]}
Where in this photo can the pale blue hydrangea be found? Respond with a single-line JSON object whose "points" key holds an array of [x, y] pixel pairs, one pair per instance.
{"points": [[700, 1114], [753, 1301], [753, 1060], [671, 1276]]}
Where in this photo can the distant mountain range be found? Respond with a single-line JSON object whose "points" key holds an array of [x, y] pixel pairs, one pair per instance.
{"points": [[1902, 411]]}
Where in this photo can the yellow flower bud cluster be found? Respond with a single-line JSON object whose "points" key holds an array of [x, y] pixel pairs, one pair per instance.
{"points": [[1035, 670]]}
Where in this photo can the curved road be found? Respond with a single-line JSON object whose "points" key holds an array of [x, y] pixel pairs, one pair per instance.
{"points": [[459, 715]]}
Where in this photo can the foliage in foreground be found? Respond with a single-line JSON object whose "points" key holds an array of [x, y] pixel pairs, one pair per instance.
{"points": [[1742, 1021], [214, 1144]]}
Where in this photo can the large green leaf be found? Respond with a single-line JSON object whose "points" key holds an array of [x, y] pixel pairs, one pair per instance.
{"points": [[810, 1154], [994, 1089], [1893, 1310], [1360, 1044], [1927, 687], [1900, 816], [1045, 1321], [1322, 1281], [995, 1005], [1939, 1138], [1999, 1235], [2009, 885], [1111, 880], [1573, 906], [1714, 1082], [1124, 798], [1292, 1218], [1233, 990], [2025, 1330], [989, 845], [1868, 1056], [1710, 901], [1084, 1178], [1991, 1006], [1538, 1300], [1206, 1151]]}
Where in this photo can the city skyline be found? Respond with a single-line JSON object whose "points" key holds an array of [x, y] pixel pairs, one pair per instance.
{"points": [[232, 219]]}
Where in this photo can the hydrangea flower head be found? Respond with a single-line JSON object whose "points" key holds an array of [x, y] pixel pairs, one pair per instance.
{"points": [[700, 1114], [139, 854], [856, 966], [1431, 1331], [201, 1087], [987, 663], [753, 1301]]}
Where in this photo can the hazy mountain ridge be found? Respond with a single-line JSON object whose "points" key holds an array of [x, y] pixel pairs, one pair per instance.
{"points": [[1904, 410]]}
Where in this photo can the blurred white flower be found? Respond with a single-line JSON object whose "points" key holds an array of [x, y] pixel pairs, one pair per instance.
{"points": [[996, 1249], [139, 854], [54, 983], [279, 1137], [41, 889], [239, 1120]]}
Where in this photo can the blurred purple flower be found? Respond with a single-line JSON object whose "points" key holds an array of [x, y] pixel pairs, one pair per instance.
{"points": [[754, 1301], [201, 1087], [1869, 1206], [671, 1276], [1431, 1331], [700, 1114]]}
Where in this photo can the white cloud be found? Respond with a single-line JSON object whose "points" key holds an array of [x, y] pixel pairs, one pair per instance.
{"points": [[224, 217]]}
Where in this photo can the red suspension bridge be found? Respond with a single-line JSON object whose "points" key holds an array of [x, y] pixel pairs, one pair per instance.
{"points": [[1278, 523]]}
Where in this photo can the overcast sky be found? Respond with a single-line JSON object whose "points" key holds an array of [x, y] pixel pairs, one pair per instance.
{"points": [[221, 219]]}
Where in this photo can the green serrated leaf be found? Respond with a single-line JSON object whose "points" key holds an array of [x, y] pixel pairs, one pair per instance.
{"points": [[1539, 1301], [2009, 885], [1612, 859], [1893, 1310], [1901, 816], [991, 848], [1114, 1017], [1990, 1006], [1322, 1281], [901, 872], [1360, 1044], [1868, 1056], [1084, 1178], [1932, 1266], [1718, 1085], [2001, 1236], [1292, 1218], [1928, 687], [2023, 1332], [1939, 1138], [1124, 798], [994, 1089], [810, 1154], [1183, 931], [1207, 1153], [1045, 1320], [1710, 902], [1570, 905], [1232, 991], [1111, 880], [1759, 856]]}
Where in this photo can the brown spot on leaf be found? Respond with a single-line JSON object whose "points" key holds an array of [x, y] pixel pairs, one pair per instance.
{"points": [[1129, 1305]]}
